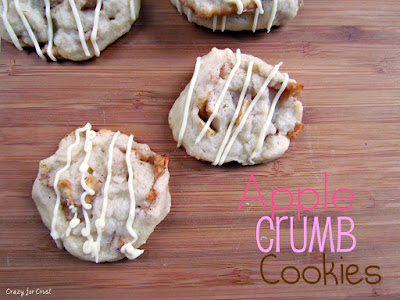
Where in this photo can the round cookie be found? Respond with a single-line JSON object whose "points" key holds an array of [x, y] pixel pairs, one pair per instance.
{"points": [[238, 15], [66, 29], [236, 108], [102, 194]]}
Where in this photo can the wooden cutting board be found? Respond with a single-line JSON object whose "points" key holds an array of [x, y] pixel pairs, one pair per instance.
{"points": [[345, 53]]}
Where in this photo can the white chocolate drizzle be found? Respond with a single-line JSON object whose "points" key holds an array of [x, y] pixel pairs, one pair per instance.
{"points": [[261, 136], [236, 114], [53, 233], [79, 26], [259, 11], [74, 222], [128, 250], [223, 25], [215, 20], [133, 11], [256, 16], [29, 29], [101, 222], [95, 28], [9, 28], [248, 111], [83, 169], [238, 3], [272, 15], [179, 6], [221, 96], [189, 15], [50, 32], [188, 100], [259, 6]]}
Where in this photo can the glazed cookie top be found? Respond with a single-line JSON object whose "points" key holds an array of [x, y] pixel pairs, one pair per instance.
{"points": [[236, 108], [69, 29], [102, 194]]}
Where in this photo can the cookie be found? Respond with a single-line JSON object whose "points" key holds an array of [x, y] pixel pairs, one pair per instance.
{"points": [[238, 15], [236, 108], [66, 29], [102, 194]]}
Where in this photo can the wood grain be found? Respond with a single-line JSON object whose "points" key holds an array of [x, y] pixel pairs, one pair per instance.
{"points": [[347, 56]]}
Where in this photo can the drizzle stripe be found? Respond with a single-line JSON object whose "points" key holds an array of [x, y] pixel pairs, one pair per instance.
{"points": [[259, 6], [133, 12], [256, 16], [53, 233], [74, 222], [223, 23], [179, 6], [128, 249], [100, 222], [273, 14], [238, 3], [50, 32], [83, 168], [188, 100], [215, 20], [131, 217], [9, 28], [80, 28], [259, 11], [93, 37], [29, 29], [221, 97]]}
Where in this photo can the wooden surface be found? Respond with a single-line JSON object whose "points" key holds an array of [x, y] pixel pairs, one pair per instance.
{"points": [[345, 53]]}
